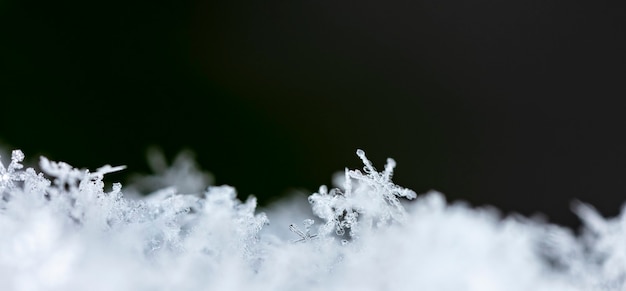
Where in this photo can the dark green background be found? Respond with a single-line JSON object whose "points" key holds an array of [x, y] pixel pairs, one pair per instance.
{"points": [[512, 103]]}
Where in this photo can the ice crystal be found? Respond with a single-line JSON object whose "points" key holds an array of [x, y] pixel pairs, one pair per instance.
{"points": [[597, 259], [306, 234], [366, 199], [183, 175], [9, 175]]}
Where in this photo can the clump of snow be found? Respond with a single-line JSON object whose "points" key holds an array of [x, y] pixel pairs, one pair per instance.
{"points": [[61, 230]]}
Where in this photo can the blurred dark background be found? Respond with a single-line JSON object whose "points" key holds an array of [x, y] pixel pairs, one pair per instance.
{"points": [[516, 104]]}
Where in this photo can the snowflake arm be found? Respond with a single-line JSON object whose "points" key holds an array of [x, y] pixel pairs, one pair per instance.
{"points": [[304, 235]]}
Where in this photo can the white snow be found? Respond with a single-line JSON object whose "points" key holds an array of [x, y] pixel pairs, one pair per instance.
{"points": [[60, 230]]}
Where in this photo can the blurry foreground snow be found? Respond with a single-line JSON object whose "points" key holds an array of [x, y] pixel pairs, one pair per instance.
{"points": [[60, 230]]}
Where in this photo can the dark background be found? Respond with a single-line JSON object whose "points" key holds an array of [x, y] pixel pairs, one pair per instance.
{"points": [[516, 104]]}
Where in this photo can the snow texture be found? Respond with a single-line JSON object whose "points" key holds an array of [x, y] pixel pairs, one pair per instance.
{"points": [[61, 230]]}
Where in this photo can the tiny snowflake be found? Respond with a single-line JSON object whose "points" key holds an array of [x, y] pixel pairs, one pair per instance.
{"points": [[9, 175], [367, 197]]}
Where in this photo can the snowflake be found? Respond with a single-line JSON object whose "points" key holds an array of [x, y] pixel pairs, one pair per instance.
{"points": [[9, 175], [367, 197]]}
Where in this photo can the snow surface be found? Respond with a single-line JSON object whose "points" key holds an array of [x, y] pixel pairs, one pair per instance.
{"points": [[60, 230]]}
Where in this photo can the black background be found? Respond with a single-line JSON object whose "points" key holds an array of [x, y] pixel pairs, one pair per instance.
{"points": [[516, 104]]}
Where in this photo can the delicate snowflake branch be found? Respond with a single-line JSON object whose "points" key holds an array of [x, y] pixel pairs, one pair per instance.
{"points": [[306, 235]]}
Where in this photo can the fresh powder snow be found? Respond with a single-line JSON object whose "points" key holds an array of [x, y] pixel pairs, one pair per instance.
{"points": [[61, 230]]}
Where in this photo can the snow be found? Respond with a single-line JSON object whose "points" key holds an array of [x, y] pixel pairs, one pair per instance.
{"points": [[60, 230]]}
